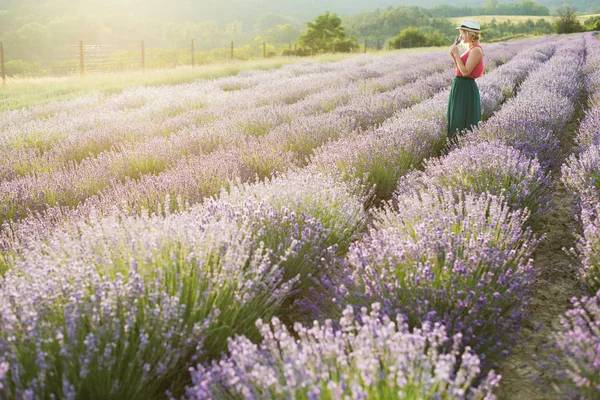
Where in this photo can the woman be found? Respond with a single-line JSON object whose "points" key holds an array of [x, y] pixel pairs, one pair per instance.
{"points": [[464, 107]]}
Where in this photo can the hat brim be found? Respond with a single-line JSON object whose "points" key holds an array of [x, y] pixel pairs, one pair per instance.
{"points": [[464, 28]]}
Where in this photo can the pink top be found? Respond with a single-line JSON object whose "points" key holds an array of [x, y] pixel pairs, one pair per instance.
{"points": [[477, 71]]}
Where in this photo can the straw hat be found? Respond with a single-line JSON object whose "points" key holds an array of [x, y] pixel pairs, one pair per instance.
{"points": [[469, 25]]}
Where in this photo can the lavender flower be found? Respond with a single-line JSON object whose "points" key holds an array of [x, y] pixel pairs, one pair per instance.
{"points": [[487, 167], [581, 175], [588, 243], [449, 257], [532, 120], [131, 297], [368, 357], [578, 349]]}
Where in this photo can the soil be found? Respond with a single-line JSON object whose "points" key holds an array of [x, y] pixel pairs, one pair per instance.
{"points": [[522, 376]]}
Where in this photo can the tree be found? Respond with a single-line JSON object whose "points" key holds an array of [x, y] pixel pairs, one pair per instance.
{"points": [[322, 32], [409, 37], [566, 20], [592, 23]]}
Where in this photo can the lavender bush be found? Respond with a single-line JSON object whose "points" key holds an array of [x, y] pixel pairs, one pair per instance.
{"points": [[589, 130], [533, 120], [309, 221], [118, 308], [577, 345], [50, 181], [487, 167], [581, 175], [381, 157], [456, 258], [588, 243], [368, 357]]}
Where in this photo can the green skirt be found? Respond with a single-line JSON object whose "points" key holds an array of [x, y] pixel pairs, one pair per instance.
{"points": [[464, 105]]}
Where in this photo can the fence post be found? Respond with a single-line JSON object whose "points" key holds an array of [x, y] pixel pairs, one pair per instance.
{"points": [[295, 51], [2, 70], [264, 50], [192, 53], [143, 55], [333, 46], [365, 45], [232, 49], [81, 64]]}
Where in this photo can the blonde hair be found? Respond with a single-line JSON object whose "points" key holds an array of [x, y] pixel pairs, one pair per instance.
{"points": [[474, 35]]}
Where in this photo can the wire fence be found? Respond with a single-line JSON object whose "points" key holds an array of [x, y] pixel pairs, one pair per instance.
{"points": [[82, 58]]}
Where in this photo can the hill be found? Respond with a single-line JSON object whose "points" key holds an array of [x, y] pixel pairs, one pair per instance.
{"points": [[246, 11]]}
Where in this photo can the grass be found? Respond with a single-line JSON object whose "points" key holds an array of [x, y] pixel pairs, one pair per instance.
{"points": [[486, 19], [26, 92]]}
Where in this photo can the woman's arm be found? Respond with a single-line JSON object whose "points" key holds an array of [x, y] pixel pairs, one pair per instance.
{"points": [[474, 58], [454, 60], [452, 50]]}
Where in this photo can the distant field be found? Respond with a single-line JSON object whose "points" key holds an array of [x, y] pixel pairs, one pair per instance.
{"points": [[24, 92], [484, 19]]}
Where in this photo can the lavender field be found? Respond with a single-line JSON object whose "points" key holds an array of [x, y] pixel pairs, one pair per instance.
{"points": [[309, 233]]}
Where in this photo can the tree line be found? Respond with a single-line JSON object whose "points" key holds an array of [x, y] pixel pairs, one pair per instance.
{"points": [[30, 41]]}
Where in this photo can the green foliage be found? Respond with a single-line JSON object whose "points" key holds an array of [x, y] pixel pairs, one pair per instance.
{"points": [[22, 68], [435, 38], [495, 31], [409, 37], [566, 20], [419, 37], [322, 33], [279, 34], [592, 24]]}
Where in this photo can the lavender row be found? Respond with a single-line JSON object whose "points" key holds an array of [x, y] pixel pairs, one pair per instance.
{"points": [[458, 260], [73, 185], [448, 251], [412, 135], [533, 120], [454, 244], [48, 143], [576, 345], [70, 187], [367, 356], [581, 175], [120, 306]]}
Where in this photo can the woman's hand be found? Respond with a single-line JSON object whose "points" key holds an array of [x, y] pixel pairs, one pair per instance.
{"points": [[454, 51], [451, 50]]}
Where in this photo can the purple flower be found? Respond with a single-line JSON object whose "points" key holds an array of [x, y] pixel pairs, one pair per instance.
{"points": [[577, 345], [364, 357], [486, 167], [450, 257]]}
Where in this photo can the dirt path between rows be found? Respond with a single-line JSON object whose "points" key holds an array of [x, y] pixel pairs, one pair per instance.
{"points": [[522, 378]]}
